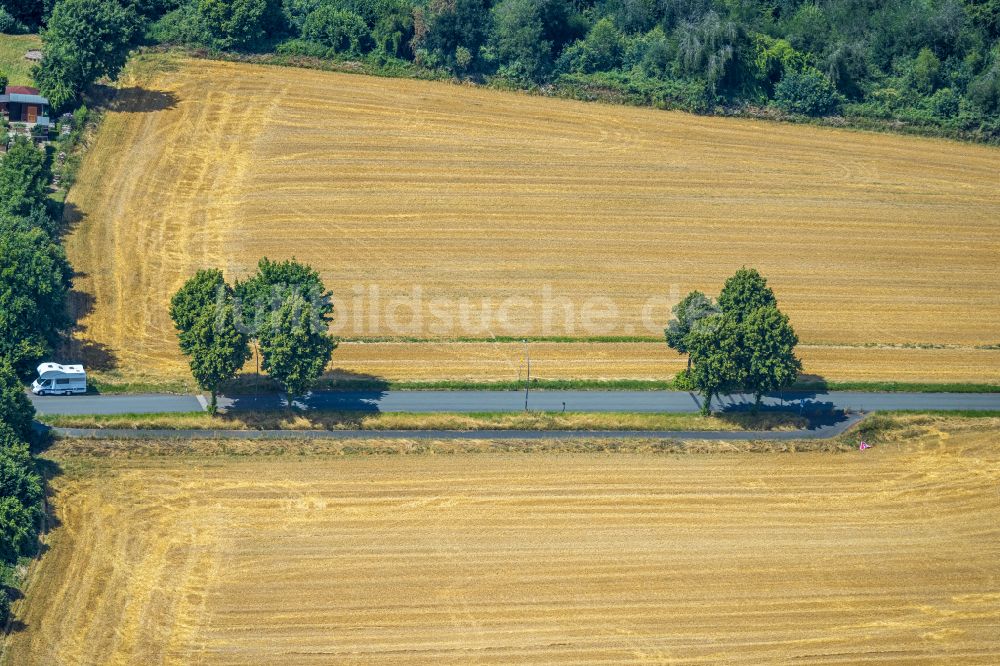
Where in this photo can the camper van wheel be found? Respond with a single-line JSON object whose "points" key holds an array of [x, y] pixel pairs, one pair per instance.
{"points": [[67, 393]]}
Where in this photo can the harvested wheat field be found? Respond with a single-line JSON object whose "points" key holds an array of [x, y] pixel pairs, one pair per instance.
{"points": [[888, 556], [483, 362], [441, 212]]}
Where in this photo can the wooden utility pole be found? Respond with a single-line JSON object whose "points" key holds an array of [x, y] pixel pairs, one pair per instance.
{"points": [[527, 384]]}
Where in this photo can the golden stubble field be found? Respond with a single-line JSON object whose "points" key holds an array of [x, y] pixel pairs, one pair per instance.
{"points": [[887, 556], [437, 211]]}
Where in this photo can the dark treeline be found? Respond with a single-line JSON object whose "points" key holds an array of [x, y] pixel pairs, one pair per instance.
{"points": [[35, 279], [929, 63]]}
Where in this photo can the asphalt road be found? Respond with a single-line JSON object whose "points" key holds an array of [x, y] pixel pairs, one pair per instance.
{"points": [[510, 401], [115, 404]]}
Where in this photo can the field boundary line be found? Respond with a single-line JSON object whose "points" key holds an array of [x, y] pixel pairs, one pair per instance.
{"points": [[821, 432]]}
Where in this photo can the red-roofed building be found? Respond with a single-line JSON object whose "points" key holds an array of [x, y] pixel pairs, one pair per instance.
{"points": [[21, 104], [21, 90]]}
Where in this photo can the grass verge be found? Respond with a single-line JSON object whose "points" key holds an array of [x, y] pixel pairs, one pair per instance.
{"points": [[12, 60], [903, 427], [542, 421]]}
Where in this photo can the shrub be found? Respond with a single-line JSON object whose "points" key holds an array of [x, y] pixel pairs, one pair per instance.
{"points": [[10, 25], [944, 103], [343, 31], [182, 27], [17, 529], [240, 24], [683, 381], [808, 92], [18, 478], [602, 49], [684, 94], [926, 70], [16, 411], [984, 91]]}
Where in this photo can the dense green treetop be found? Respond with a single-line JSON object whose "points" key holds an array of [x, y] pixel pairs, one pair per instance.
{"points": [[692, 309], [239, 24], [275, 281], [718, 363], [744, 292], [199, 296], [769, 341], [84, 41], [217, 346], [24, 179], [35, 279], [17, 470], [296, 350], [16, 411]]}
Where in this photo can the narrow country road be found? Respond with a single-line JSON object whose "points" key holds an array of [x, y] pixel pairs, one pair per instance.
{"points": [[512, 401]]}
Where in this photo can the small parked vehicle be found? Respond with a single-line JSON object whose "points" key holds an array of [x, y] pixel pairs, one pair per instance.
{"points": [[55, 379]]}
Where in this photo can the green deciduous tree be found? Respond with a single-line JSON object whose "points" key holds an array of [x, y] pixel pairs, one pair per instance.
{"points": [[24, 179], [518, 40], [744, 344], [84, 41], [984, 90], [393, 32], [274, 282], [28, 12], [198, 296], [926, 70], [769, 343], [602, 49], [18, 478], [239, 24], [808, 92], [18, 529], [218, 349], [719, 51], [34, 281], [38, 218], [295, 345], [744, 292], [16, 411], [343, 31], [21, 498], [717, 363], [211, 333], [445, 26], [691, 310]]}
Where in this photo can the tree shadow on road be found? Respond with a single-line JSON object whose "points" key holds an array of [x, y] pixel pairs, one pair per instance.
{"points": [[807, 415], [346, 399]]}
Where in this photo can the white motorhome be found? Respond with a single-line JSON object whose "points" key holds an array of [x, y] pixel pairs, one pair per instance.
{"points": [[55, 379]]}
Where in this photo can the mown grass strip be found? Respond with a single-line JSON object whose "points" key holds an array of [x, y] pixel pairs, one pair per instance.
{"points": [[532, 420]]}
